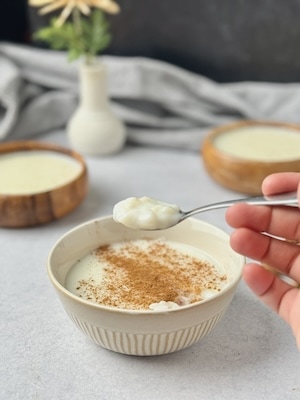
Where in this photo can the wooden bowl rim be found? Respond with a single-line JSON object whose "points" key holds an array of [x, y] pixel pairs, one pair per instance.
{"points": [[209, 139]]}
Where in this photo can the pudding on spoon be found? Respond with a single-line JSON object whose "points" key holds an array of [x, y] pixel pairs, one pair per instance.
{"points": [[146, 213]]}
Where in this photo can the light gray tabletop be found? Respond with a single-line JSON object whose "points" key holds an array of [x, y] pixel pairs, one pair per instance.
{"points": [[251, 354]]}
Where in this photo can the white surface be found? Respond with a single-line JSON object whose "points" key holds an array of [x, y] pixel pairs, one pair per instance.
{"points": [[250, 355]]}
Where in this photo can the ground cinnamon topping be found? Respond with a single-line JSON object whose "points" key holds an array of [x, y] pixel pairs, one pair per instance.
{"points": [[140, 273]]}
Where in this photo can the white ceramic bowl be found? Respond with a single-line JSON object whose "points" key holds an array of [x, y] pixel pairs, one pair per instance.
{"points": [[145, 332]]}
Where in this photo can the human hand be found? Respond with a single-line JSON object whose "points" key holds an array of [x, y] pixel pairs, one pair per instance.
{"points": [[283, 255]]}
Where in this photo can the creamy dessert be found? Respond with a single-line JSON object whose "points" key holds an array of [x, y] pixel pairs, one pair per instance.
{"points": [[27, 172], [145, 274], [261, 143], [146, 213]]}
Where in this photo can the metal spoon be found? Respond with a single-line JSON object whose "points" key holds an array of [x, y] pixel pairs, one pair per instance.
{"points": [[146, 213], [285, 199], [175, 216], [283, 277]]}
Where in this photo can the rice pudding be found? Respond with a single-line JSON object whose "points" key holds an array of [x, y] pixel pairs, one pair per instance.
{"points": [[35, 171], [145, 274], [260, 143], [146, 213]]}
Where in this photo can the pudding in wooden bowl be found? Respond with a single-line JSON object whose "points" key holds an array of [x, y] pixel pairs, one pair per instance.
{"points": [[39, 182], [240, 155]]}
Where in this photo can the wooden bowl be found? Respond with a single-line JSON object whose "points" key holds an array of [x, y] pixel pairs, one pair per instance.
{"points": [[29, 197], [240, 155]]}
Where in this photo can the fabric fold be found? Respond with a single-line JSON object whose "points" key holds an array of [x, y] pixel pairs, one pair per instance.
{"points": [[162, 105]]}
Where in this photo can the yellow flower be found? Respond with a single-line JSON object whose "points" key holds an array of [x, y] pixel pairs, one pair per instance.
{"points": [[84, 6]]}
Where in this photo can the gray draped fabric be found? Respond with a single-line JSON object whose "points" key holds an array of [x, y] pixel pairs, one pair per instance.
{"points": [[162, 105]]}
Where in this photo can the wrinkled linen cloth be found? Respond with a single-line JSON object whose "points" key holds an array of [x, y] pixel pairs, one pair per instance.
{"points": [[161, 104]]}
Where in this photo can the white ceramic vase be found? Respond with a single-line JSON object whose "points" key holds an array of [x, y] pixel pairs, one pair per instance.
{"points": [[94, 129]]}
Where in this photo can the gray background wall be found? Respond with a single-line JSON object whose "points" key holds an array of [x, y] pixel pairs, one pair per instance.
{"points": [[226, 40]]}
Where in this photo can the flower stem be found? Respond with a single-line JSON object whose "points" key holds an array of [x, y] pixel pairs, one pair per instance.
{"points": [[76, 21], [78, 28]]}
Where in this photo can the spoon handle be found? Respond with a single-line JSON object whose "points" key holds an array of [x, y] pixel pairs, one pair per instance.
{"points": [[285, 199]]}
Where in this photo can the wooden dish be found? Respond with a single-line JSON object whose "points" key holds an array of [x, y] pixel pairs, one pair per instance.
{"points": [[243, 173], [36, 208]]}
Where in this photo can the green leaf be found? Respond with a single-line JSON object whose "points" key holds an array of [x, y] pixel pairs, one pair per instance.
{"points": [[74, 54], [87, 37]]}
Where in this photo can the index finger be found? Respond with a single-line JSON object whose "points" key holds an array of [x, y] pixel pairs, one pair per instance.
{"points": [[283, 222], [281, 182]]}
